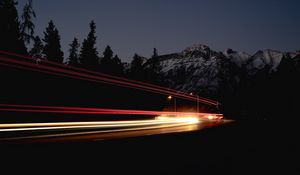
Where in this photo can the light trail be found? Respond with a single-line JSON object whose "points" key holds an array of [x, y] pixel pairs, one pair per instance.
{"points": [[80, 110], [93, 125], [116, 132], [84, 128], [86, 77], [87, 71], [20, 125], [105, 75], [83, 74], [95, 131]]}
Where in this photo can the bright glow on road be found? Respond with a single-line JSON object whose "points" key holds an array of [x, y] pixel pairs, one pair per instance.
{"points": [[213, 117], [210, 117], [184, 119]]}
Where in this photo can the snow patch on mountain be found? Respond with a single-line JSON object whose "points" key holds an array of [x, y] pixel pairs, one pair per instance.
{"points": [[264, 59], [239, 58]]}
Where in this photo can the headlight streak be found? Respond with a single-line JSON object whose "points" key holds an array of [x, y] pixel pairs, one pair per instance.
{"points": [[92, 132], [120, 126], [95, 125]]}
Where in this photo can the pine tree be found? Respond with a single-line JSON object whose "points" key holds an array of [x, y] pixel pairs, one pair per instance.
{"points": [[52, 49], [27, 26], [136, 69], [116, 60], [110, 64], [154, 60], [88, 54], [155, 55], [106, 62], [10, 36], [153, 68], [73, 57], [108, 53], [37, 49], [117, 66]]}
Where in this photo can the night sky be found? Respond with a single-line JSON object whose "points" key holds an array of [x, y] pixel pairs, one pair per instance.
{"points": [[136, 26]]}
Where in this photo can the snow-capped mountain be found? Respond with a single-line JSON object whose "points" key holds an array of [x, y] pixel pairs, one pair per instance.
{"points": [[201, 70], [262, 59], [198, 69]]}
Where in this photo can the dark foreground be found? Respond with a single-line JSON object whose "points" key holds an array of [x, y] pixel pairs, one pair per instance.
{"points": [[236, 148]]}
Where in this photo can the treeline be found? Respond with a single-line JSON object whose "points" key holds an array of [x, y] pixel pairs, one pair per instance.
{"points": [[18, 32]]}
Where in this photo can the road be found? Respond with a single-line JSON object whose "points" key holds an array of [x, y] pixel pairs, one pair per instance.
{"points": [[100, 130]]}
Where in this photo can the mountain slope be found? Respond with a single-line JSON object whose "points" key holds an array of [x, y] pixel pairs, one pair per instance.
{"points": [[263, 59], [198, 69]]}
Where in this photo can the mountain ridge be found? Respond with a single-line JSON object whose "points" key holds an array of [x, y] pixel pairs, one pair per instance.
{"points": [[201, 70]]}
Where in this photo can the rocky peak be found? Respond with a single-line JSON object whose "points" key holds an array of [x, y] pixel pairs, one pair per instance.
{"points": [[229, 51], [239, 58], [197, 50]]}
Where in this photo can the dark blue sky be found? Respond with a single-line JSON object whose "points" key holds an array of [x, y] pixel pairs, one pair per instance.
{"points": [[131, 26]]}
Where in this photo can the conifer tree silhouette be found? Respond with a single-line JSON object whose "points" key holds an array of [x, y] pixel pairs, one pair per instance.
{"points": [[88, 54], [10, 35], [73, 57], [52, 48]]}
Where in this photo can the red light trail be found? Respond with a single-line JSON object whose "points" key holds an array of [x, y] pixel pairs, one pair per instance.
{"points": [[80, 110], [87, 75]]}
